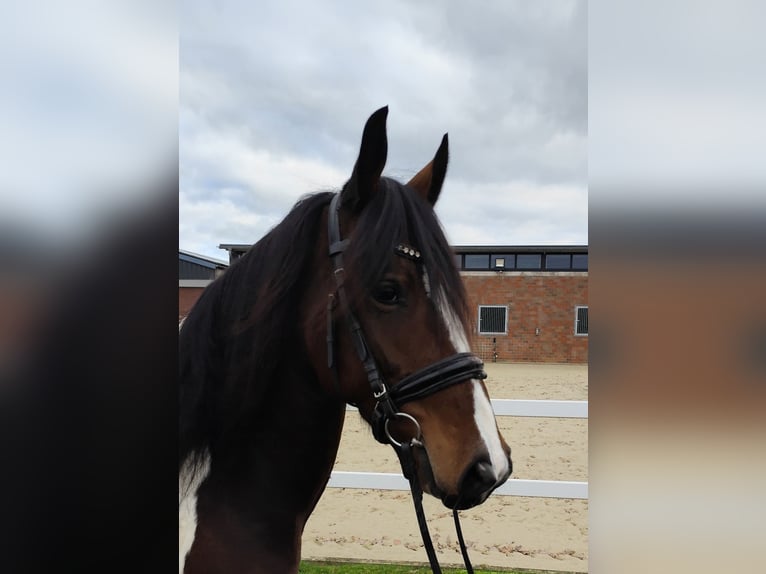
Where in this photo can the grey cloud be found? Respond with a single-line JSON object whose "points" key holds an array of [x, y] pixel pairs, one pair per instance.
{"points": [[507, 80]]}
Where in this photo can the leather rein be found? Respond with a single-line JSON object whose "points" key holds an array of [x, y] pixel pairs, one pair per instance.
{"points": [[423, 383]]}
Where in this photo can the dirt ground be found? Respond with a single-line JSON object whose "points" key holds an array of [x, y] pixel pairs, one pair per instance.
{"points": [[505, 531]]}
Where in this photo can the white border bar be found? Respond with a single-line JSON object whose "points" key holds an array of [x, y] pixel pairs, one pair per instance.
{"points": [[538, 408], [535, 408], [373, 480], [513, 487], [544, 488]]}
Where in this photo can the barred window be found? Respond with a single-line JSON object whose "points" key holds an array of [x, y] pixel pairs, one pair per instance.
{"points": [[581, 320], [493, 320]]}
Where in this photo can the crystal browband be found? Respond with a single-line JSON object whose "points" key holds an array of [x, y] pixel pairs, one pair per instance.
{"points": [[407, 251]]}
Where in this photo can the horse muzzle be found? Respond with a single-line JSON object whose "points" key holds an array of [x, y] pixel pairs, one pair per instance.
{"points": [[477, 482]]}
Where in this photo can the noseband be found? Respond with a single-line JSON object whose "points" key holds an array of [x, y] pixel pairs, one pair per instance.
{"points": [[425, 382]]}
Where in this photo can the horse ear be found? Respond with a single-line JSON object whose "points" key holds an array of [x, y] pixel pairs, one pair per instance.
{"points": [[369, 165], [428, 181]]}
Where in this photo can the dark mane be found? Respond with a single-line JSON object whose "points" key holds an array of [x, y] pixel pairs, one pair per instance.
{"points": [[234, 340], [244, 318], [396, 214]]}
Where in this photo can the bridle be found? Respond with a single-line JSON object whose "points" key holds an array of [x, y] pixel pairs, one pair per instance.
{"points": [[423, 383], [431, 379]]}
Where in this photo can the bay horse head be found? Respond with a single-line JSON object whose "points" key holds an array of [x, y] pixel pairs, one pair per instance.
{"points": [[398, 309]]}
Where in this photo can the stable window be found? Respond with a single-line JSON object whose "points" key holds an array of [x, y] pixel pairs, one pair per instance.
{"points": [[477, 260], [580, 261], [493, 320], [558, 261], [528, 260], [581, 320]]}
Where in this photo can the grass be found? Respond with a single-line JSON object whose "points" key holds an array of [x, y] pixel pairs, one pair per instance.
{"points": [[311, 567]]}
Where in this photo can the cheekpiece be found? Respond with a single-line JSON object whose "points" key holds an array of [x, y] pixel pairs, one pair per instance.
{"points": [[407, 251]]}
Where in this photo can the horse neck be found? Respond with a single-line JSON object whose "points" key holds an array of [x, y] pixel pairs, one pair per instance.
{"points": [[264, 487]]}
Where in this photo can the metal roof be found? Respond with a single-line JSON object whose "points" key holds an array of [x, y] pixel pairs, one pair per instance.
{"points": [[235, 246], [203, 260]]}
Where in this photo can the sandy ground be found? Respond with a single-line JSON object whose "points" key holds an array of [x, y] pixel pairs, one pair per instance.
{"points": [[505, 531]]}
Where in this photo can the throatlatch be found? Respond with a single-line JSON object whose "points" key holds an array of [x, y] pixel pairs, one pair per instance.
{"points": [[436, 377]]}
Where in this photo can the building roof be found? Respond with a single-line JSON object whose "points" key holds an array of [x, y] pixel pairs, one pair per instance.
{"points": [[469, 248], [203, 260], [235, 246], [557, 258], [520, 248]]}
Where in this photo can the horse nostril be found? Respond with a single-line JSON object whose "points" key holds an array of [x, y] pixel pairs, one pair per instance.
{"points": [[484, 473], [477, 482]]}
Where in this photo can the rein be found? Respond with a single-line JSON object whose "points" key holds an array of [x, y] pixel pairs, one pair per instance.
{"points": [[423, 383]]}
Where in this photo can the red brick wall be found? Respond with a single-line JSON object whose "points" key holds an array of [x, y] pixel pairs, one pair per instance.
{"points": [[187, 297], [535, 300]]}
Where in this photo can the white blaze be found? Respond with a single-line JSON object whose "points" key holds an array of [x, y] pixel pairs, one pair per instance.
{"points": [[482, 408], [188, 484]]}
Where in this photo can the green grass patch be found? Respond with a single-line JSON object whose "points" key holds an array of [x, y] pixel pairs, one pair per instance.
{"points": [[311, 567]]}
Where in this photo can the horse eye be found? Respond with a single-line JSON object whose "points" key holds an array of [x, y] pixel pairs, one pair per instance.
{"points": [[387, 293]]}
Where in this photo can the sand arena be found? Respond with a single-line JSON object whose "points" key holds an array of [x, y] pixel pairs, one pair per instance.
{"points": [[505, 531]]}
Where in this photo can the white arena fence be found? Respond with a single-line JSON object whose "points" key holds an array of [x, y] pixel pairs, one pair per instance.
{"points": [[513, 487]]}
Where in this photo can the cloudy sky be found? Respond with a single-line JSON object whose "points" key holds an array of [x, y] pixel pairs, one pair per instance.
{"points": [[274, 95]]}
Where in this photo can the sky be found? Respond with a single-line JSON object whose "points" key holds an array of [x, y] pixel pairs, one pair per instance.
{"points": [[266, 101], [274, 96]]}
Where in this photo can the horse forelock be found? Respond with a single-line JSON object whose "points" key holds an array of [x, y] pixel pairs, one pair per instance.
{"points": [[397, 214]]}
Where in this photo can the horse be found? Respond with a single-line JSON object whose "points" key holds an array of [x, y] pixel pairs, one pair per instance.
{"points": [[354, 298]]}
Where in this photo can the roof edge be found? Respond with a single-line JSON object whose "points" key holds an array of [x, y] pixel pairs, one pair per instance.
{"points": [[201, 257]]}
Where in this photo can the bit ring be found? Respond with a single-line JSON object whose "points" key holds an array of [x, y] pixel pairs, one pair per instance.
{"points": [[396, 443]]}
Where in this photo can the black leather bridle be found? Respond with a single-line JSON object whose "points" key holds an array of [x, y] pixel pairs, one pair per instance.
{"points": [[431, 379]]}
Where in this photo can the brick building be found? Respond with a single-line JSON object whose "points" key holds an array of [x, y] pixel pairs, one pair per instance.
{"points": [[195, 272], [528, 303]]}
